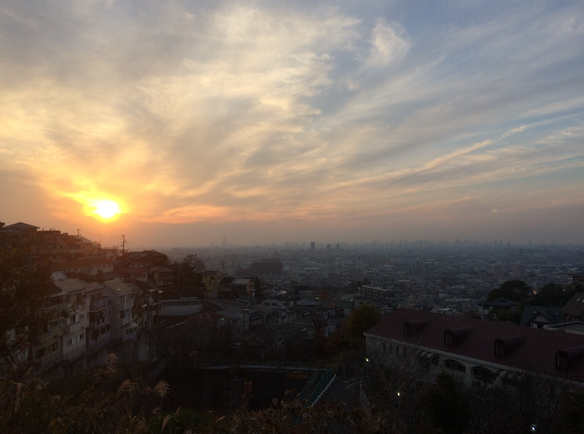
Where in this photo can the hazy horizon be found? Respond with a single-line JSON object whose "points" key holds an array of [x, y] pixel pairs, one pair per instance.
{"points": [[266, 122]]}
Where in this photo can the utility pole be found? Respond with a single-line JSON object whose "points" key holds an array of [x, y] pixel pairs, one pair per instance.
{"points": [[123, 244]]}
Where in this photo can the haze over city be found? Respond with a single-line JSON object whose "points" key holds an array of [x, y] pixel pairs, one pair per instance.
{"points": [[180, 123]]}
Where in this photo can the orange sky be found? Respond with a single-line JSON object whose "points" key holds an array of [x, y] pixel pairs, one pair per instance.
{"points": [[270, 122]]}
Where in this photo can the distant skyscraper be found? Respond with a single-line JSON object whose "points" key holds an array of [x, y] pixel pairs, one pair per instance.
{"points": [[518, 270], [498, 271], [312, 245]]}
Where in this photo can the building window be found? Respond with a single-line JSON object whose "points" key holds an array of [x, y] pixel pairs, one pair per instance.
{"points": [[53, 347], [69, 342], [484, 375], [80, 337], [455, 366], [425, 364], [39, 353]]}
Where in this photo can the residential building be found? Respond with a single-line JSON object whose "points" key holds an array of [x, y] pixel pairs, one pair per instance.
{"points": [[161, 276], [123, 319], [212, 282], [475, 349], [98, 333], [574, 308], [501, 304], [541, 316]]}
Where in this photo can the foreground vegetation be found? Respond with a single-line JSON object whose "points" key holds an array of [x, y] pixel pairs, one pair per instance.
{"points": [[110, 400]]}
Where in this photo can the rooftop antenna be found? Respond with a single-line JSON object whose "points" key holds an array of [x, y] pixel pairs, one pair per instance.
{"points": [[123, 244]]}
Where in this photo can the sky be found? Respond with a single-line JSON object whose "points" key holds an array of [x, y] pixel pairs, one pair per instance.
{"points": [[273, 121]]}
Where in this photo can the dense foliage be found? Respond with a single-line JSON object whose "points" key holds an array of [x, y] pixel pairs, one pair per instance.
{"points": [[361, 320]]}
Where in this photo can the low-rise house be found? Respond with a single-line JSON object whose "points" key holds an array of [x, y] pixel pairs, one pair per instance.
{"points": [[266, 314], [242, 286], [541, 316], [92, 268], [147, 259], [161, 276], [212, 282], [125, 270], [343, 308], [501, 304], [278, 302], [574, 308]]}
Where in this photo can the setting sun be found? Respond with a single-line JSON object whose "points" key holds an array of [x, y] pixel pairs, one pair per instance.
{"points": [[107, 209]]}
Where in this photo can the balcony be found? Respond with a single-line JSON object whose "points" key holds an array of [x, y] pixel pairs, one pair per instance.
{"points": [[98, 304], [127, 305], [97, 322], [74, 352], [127, 320], [79, 325]]}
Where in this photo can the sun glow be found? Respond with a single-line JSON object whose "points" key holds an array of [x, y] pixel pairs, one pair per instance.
{"points": [[107, 209]]}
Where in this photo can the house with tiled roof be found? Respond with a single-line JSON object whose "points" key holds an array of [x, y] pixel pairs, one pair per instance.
{"points": [[541, 316], [471, 348], [500, 304], [91, 268], [161, 276], [574, 308]]}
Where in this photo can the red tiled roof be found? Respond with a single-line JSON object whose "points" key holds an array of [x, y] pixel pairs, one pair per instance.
{"points": [[533, 349]]}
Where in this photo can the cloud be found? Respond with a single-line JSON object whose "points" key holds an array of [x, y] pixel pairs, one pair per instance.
{"points": [[251, 112]]}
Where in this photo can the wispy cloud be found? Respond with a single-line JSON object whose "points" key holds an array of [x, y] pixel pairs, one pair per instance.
{"points": [[250, 112]]}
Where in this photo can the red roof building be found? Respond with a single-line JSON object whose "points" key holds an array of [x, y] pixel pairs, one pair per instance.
{"points": [[467, 346]]}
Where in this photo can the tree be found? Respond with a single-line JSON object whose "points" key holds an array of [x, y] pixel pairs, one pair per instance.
{"points": [[515, 290], [361, 320], [446, 406], [257, 287], [553, 295], [24, 297], [193, 264]]}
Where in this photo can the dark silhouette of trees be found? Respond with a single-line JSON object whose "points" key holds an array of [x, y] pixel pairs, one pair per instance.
{"points": [[193, 264], [361, 320], [446, 406], [515, 290], [553, 295]]}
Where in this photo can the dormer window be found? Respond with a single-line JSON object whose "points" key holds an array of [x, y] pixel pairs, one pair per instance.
{"points": [[569, 357], [499, 348], [562, 360], [414, 327], [448, 338], [456, 335], [505, 346]]}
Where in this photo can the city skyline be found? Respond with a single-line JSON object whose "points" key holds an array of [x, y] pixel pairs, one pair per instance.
{"points": [[270, 122]]}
